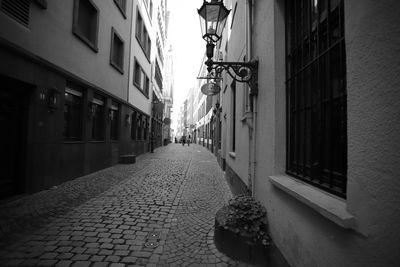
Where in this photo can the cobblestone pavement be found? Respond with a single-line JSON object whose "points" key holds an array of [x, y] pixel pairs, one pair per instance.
{"points": [[156, 212]]}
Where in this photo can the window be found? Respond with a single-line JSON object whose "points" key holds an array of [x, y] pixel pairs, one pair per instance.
{"points": [[17, 9], [86, 22], [121, 4], [140, 79], [148, 46], [117, 51], [114, 117], [139, 26], [72, 115], [234, 13], [146, 128], [151, 9], [97, 112], [147, 86], [139, 127], [316, 94], [233, 88], [158, 76], [133, 125], [142, 35], [137, 76]]}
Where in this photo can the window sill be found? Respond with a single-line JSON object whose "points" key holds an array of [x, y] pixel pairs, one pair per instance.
{"points": [[117, 67], [121, 9], [73, 142], [327, 205], [140, 90], [232, 155], [143, 50], [91, 45]]}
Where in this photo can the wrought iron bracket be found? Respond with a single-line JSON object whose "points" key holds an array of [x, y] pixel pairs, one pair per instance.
{"points": [[244, 72]]}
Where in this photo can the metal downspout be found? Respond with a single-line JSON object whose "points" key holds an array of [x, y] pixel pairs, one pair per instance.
{"points": [[254, 104]]}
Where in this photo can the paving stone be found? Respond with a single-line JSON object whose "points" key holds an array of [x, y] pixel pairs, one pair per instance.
{"points": [[64, 263], [107, 215], [81, 264]]}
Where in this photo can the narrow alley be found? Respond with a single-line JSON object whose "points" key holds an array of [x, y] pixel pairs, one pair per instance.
{"points": [[157, 212]]}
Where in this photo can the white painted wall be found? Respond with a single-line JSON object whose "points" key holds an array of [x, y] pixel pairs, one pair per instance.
{"points": [[305, 237], [236, 52], [50, 37]]}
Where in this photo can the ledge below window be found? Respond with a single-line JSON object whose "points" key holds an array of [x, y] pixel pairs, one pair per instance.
{"points": [[328, 206]]}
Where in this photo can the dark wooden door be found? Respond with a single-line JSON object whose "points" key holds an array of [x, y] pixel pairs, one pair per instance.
{"points": [[13, 124]]}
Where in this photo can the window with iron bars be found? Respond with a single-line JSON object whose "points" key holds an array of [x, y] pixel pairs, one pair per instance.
{"points": [[316, 93]]}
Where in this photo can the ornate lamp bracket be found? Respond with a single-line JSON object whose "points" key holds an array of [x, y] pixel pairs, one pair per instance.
{"points": [[244, 72]]}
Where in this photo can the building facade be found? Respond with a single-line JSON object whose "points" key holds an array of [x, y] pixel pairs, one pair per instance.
{"points": [[318, 144], [73, 98]]}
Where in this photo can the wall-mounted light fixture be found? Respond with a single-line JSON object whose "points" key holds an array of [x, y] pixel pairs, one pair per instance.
{"points": [[92, 107], [53, 99], [127, 119], [213, 16]]}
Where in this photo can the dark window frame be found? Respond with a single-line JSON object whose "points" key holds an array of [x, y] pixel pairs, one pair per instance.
{"points": [[316, 94], [93, 44], [138, 71], [142, 35], [115, 111], [114, 34], [233, 142], [98, 128], [133, 125], [68, 133], [121, 4], [234, 13]]}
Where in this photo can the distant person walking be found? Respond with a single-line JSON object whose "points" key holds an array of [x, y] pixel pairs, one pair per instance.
{"points": [[189, 140], [183, 140]]}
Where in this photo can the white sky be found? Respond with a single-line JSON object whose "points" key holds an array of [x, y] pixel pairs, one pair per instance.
{"points": [[187, 45]]}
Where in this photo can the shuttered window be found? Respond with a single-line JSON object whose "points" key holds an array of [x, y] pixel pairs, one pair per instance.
{"points": [[17, 9]]}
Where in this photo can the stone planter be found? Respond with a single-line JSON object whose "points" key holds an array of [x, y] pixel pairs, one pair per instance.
{"points": [[236, 246]]}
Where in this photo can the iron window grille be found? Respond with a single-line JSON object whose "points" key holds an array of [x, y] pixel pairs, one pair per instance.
{"points": [[73, 103], [86, 22], [316, 94]]}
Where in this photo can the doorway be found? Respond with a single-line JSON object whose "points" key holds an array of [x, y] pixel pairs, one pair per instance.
{"points": [[14, 102]]}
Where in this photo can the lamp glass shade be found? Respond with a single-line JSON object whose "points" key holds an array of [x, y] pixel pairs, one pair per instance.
{"points": [[212, 19]]}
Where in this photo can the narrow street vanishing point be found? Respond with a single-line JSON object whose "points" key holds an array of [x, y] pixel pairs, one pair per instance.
{"points": [[157, 212]]}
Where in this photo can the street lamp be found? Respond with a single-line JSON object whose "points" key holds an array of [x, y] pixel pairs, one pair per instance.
{"points": [[213, 16]]}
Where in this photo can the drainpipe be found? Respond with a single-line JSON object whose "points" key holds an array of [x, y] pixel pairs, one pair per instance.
{"points": [[253, 131]]}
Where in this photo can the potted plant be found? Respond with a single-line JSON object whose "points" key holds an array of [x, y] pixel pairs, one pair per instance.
{"points": [[241, 230]]}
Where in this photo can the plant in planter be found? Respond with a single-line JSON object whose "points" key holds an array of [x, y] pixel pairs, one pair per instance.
{"points": [[241, 229]]}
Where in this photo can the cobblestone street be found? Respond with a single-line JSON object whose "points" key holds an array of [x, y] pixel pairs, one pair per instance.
{"points": [[156, 212]]}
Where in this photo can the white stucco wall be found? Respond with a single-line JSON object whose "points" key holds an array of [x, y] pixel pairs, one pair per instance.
{"points": [[236, 51], [305, 237], [50, 37], [136, 97]]}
